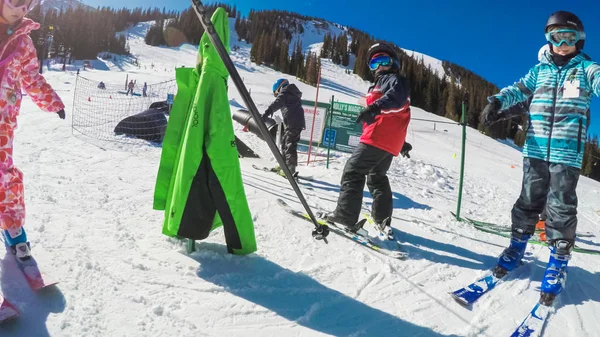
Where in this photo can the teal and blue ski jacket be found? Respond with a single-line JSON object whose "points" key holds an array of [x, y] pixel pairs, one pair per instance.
{"points": [[558, 114]]}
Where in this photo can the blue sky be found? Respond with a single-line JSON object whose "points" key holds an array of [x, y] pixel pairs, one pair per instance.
{"points": [[497, 40]]}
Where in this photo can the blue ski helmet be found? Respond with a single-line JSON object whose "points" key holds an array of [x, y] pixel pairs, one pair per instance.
{"points": [[280, 83]]}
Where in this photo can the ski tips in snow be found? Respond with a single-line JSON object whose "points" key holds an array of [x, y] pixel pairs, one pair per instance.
{"points": [[7, 310], [533, 324], [466, 296]]}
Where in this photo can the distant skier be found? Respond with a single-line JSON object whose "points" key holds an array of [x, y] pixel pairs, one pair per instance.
{"points": [[145, 89], [561, 86], [21, 72], [102, 86], [289, 100], [130, 88], [385, 121]]}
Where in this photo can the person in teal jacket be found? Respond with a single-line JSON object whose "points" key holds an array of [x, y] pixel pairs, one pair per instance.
{"points": [[560, 86]]}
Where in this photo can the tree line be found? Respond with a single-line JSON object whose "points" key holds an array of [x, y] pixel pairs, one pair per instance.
{"points": [[88, 32], [183, 27], [272, 32], [274, 37]]}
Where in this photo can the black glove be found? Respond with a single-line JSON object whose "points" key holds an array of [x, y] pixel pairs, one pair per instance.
{"points": [[265, 115], [61, 114], [368, 114], [491, 113], [405, 150]]}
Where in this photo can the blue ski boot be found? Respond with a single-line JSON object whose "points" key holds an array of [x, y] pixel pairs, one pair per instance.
{"points": [[16, 239], [511, 256], [555, 276]]}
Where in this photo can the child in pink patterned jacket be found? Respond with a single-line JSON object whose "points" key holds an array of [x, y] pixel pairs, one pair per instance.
{"points": [[18, 70]]}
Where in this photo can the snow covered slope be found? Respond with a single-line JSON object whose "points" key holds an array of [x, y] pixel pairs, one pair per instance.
{"points": [[91, 224], [62, 5]]}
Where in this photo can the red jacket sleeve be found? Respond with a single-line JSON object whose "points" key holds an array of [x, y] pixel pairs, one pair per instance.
{"points": [[34, 83]]}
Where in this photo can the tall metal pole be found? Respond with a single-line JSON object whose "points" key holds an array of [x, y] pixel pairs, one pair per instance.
{"points": [[312, 130], [462, 156]]}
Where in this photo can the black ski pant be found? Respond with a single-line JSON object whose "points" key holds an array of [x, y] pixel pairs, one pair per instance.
{"points": [[371, 164], [289, 145], [553, 186]]}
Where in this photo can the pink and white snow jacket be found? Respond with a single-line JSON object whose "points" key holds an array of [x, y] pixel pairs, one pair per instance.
{"points": [[18, 69]]}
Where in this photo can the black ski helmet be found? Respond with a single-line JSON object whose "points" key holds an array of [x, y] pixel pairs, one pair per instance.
{"points": [[382, 47], [567, 19]]}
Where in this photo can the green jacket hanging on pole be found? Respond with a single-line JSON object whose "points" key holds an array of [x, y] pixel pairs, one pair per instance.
{"points": [[199, 183]]}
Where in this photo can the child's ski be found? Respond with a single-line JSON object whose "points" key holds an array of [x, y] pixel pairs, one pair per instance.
{"points": [[7, 310], [338, 229]]}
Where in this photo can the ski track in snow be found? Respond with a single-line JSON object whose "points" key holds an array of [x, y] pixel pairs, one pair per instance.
{"points": [[91, 224]]}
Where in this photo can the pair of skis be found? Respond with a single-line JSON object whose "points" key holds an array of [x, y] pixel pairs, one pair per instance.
{"points": [[361, 237], [534, 322], [34, 278]]}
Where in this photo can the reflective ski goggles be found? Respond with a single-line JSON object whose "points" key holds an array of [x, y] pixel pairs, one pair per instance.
{"points": [[567, 36], [380, 60], [25, 5]]}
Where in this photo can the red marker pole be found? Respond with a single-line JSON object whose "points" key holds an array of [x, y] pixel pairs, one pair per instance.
{"points": [[312, 131]]}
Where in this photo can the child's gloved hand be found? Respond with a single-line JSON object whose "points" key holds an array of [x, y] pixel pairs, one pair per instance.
{"points": [[405, 150], [266, 115], [491, 113], [61, 114], [368, 114]]}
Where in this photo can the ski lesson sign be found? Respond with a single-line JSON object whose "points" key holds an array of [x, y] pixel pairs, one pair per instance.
{"points": [[342, 131], [319, 118]]}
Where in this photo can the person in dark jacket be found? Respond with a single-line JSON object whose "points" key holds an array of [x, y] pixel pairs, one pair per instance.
{"points": [[385, 121], [289, 100]]}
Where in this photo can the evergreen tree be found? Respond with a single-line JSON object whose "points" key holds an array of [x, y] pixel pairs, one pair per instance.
{"points": [[451, 101], [283, 58]]}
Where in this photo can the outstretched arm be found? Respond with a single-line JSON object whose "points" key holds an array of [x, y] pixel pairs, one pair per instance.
{"points": [[276, 105], [518, 92], [33, 82]]}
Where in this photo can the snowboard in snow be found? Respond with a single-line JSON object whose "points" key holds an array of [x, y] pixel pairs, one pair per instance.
{"points": [[134, 94]]}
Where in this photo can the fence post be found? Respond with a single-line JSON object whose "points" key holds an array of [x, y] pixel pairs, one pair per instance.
{"points": [[330, 119], [312, 130]]}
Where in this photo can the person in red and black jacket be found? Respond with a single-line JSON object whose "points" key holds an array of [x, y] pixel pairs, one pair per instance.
{"points": [[385, 122]]}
